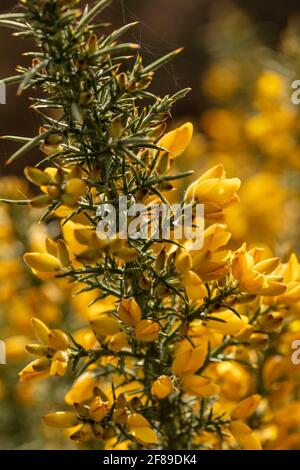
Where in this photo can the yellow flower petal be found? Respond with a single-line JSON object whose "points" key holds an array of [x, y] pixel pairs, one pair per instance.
{"points": [[176, 142], [199, 386], [140, 428], [61, 419], [246, 407], [244, 435], [42, 262]]}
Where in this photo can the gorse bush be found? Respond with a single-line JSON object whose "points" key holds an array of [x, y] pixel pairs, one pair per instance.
{"points": [[186, 347]]}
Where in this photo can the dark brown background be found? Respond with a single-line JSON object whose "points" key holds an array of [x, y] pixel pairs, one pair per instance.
{"points": [[164, 25]]}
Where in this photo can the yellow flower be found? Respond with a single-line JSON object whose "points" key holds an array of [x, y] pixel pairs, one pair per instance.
{"points": [[195, 290], [35, 370], [140, 428], [246, 407], [291, 277], [105, 324], [61, 419], [129, 312], [162, 387], [188, 359], [118, 341], [59, 363], [45, 265], [82, 388], [53, 351], [215, 191], [36, 176], [146, 331], [42, 262], [199, 386], [54, 339], [41, 330], [58, 340], [98, 409], [212, 261], [183, 262], [256, 275], [244, 435], [175, 142]]}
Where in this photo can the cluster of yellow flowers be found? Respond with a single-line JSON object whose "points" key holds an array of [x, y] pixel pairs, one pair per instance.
{"points": [[178, 347], [239, 302]]}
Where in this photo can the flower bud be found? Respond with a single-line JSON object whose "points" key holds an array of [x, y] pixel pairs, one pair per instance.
{"points": [[54, 139], [118, 342], [116, 129], [162, 387], [36, 349], [144, 282], [61, 419], [40, 201], [86, 98], [37, 177], [92, 44], [42, 262], [75, 188], [58, 340], [122, 81]]}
